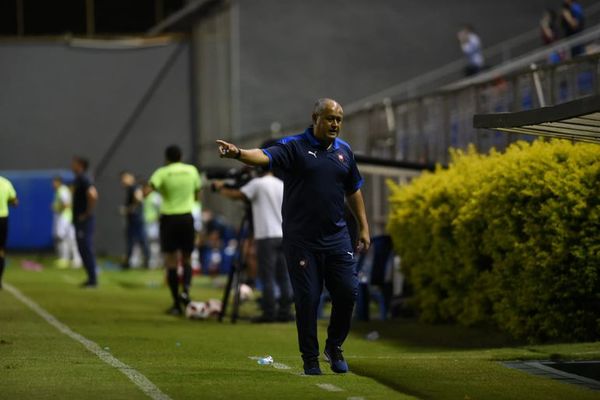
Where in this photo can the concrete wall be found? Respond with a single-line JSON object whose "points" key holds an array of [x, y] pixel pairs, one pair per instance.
{"points": [[57, 101]]}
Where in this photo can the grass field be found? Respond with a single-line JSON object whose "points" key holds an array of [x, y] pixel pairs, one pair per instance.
{"points": [[210, 360]]}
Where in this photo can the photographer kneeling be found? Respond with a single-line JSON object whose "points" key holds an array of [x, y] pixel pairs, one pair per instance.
{"points": [[265, 194]]}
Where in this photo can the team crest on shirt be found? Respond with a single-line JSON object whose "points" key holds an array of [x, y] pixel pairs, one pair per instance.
{"points": [[302, 263], [341, 157]]}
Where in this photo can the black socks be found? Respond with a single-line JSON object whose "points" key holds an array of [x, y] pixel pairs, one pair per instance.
{"points": [[173, 281]]}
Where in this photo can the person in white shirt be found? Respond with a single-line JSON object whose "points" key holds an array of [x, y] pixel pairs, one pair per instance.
{"points": [[265, 194], [470, 45], [62, 229]]}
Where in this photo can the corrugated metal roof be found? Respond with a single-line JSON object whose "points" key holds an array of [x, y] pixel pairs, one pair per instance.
{"points": [[576, 120]]}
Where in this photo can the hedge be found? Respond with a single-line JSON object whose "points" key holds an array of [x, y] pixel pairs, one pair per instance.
{"points": [[509, 239]]}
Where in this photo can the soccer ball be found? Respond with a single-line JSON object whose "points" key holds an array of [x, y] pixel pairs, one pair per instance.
{"points": [[203, 309], [197, 310], [246, 292]]}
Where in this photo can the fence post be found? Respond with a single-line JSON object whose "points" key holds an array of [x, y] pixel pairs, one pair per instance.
{"points": [[538, 85]]}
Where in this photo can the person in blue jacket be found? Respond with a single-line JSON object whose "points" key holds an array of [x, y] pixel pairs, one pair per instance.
{"points": [[320, 175]]}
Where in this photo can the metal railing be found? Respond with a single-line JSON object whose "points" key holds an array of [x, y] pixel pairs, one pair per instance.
{"points": [[424, 128], [502, 53]]}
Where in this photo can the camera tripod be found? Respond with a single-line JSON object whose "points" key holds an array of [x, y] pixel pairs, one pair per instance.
{"points": [[235, 276]]}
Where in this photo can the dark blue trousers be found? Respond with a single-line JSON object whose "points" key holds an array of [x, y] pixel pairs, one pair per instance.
{"points": [[136, 233], [84, 234], [308, 271]]}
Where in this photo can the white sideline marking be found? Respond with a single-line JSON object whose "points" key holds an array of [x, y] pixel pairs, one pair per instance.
{"points": [[136, 377], [281, 366], [329, 387], [325, 386]]}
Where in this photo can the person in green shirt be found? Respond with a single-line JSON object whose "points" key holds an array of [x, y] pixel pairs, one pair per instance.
{"points": [[178, 185], [8, 196], [63, 231]]}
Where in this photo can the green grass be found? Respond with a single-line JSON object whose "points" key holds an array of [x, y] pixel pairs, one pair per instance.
{"points": [[209, 360]]}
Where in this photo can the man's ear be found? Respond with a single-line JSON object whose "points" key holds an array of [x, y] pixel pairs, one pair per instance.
{"points": [[314, 118]]}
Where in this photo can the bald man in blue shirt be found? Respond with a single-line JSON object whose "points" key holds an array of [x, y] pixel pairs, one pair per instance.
{"points": [[319, 175]]}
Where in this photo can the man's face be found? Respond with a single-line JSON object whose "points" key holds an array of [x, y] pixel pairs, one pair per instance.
{"points": [[126, 179], [55, 184], [76, 167], [328, 123]]}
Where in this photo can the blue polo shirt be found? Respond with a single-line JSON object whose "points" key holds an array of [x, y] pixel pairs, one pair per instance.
{"points": [[316, 182], [81, 185]]}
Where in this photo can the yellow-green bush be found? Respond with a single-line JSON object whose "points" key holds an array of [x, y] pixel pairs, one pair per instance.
{"points": [[511, 239]]}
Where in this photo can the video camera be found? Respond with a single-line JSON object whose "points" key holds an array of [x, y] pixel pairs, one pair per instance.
{"points": [[235, 177]]}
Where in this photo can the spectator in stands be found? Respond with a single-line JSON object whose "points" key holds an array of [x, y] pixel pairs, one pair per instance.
{"points": [[548, 27], [217, 244], [549, 33], [572, 21], [8, 196], [265, 194], [135, 232], [470, 45], [85, 197], [212, 252], [63, 231]]}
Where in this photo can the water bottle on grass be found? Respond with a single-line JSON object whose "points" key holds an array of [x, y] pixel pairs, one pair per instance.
{"points": [[268, 360]]}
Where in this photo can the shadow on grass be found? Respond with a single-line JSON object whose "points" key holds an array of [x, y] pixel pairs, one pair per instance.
{"points": [[408, 333], [366, 371]]}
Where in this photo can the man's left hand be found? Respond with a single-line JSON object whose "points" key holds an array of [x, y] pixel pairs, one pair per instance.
{"points": [[364, 241]]}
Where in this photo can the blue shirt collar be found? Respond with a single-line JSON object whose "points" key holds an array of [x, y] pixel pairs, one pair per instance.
{"points": [[310, 136]]}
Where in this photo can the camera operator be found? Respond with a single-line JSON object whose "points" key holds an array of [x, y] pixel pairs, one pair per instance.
{"points": [[265, 194]]}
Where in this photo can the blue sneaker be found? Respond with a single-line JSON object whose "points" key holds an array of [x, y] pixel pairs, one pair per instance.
{"points": [[333, 355], [311, 367]]}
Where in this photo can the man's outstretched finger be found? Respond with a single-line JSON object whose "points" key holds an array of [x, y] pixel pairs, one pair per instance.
{"points": [[224, 148]]}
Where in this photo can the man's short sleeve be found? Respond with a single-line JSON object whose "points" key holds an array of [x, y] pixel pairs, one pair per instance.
{"points": [[354, 180], [280, 156], [156, 179], [249, 189], [12, 194]]}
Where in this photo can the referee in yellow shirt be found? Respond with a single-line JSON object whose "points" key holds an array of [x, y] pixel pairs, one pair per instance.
{"points": [[7, 196], [178, 184]]}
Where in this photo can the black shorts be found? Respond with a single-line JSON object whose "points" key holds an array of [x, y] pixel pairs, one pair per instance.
{"points": [[177, 233], [3, 231]]}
